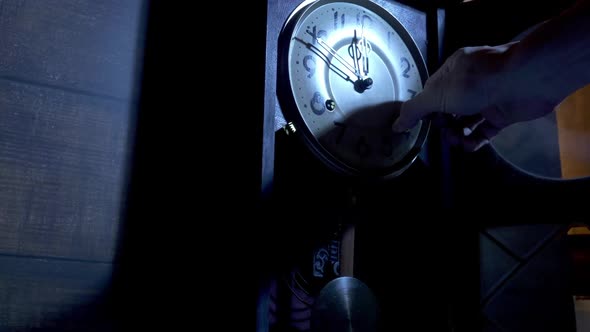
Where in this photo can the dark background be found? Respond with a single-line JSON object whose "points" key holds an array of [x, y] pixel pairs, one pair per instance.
{"points": [[140, 188], [206, 179]]}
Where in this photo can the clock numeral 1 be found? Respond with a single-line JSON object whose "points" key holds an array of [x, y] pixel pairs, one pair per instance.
{"points": [[390, 35], [387, 147], [342, 128], [317, 104], [362, 147], [342, 20], [406, 65], [412, 92]]}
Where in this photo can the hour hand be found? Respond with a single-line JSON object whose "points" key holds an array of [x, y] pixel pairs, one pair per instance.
{"points": [[339, 71], [333, 53]]}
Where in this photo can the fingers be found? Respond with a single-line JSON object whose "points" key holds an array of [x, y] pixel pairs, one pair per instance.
{"points": [[469, 123], [487, 130], [413, 110], [474, 143], [472, 137], [429, 100], [470, 143]]}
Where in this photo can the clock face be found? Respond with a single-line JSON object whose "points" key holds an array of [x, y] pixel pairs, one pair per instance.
{"points": [[344, 67]]}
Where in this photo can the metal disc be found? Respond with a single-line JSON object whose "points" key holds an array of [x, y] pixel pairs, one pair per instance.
{"points": [[345, 304]]}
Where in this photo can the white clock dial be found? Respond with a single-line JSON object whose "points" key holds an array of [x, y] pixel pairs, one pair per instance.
{"points": [[347, 63]]}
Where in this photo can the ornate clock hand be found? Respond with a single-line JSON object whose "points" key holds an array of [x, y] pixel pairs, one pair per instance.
{"points": [[359, 50], [356, 54], [359, 53], [366, 49], [362, 83]]}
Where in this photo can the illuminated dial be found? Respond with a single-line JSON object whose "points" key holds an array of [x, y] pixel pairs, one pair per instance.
{"points": [[343, 68]]}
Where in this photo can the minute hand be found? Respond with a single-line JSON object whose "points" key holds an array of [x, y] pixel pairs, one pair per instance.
{"points": [[321, 54], [335, 55]]}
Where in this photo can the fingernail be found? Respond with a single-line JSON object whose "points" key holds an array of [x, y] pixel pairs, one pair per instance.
{"points": [[482, 144]]}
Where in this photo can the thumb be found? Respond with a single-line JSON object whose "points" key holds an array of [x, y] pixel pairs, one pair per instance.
{"points": [[413, 111]]}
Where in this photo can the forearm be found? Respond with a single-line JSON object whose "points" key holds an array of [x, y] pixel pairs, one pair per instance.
{"points": [[553, 60]]}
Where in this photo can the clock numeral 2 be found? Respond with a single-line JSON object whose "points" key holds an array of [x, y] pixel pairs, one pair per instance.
{"points": [[317, 104], [412, 92], [406, 63]]}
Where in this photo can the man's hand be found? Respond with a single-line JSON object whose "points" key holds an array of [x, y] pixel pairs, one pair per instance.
{"points": [[476, 92]]}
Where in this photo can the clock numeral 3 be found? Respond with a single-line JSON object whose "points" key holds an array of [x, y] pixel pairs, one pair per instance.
{"points": [[317, 104]]}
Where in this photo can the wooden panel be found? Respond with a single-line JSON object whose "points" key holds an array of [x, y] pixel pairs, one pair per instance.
{"points": [[347, 252], [573, 123], [78, 44], [44, 294], [61, 172]]}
